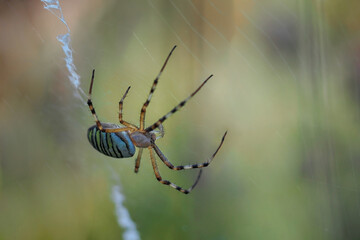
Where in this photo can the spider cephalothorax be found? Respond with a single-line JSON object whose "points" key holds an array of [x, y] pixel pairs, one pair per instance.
{"points": [[143, 139], [117, 141]]}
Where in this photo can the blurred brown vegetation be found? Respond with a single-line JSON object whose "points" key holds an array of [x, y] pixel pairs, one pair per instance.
{"points": [[286, 87]]}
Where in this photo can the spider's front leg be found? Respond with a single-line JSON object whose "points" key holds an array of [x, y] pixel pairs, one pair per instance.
{"points": [[166, 182], [159, 133], [191, 166]]}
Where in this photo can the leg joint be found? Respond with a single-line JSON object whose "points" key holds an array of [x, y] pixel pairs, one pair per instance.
{"points": [[166, 182]]}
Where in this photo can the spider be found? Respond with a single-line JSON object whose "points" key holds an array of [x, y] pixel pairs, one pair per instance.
{"points": [[120, 141]]}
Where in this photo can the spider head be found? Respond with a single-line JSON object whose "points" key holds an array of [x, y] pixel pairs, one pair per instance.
{"points": [[158, 133], [142, 139], [146, 139]]}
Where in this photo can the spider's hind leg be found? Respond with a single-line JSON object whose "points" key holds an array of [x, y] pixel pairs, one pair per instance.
{"points": [[121, 103], [92, 109], [90, 104]]}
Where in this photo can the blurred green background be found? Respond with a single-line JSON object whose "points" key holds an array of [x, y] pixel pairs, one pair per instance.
{"points": [[286, 86]]}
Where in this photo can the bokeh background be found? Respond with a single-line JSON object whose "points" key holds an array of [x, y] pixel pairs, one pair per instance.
{"points": [[286, 86]]}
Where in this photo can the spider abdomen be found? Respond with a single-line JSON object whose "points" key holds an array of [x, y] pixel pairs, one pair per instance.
{"points": [[117, 144]]}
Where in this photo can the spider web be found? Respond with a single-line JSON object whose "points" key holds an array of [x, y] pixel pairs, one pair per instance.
{"points": [[123, 217], [285, 87], [270, 51]]}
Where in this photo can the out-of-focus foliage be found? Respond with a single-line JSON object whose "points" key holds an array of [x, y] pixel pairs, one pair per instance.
{"points": [[286, 87]]}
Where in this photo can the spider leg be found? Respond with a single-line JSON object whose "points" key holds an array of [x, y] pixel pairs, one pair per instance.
{"points": [[120, 111], [92, 109], [137, 161], [143, 109], [166, 182], [175, 109], [191, 166]]}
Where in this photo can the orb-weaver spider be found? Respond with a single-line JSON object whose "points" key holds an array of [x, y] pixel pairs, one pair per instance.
{"points": [[116, 141]]}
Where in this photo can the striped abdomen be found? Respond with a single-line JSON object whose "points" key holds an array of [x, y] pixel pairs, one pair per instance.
{"points": [[117, 145]]}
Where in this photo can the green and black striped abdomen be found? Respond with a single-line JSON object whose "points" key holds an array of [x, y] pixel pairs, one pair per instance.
{"points": [[117, 145]]}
